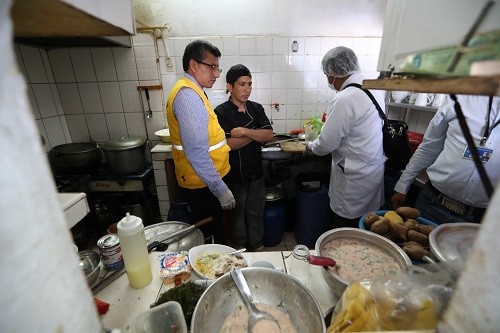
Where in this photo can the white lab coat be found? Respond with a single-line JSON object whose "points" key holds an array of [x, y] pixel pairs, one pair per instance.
{"points": [[353, 134]]}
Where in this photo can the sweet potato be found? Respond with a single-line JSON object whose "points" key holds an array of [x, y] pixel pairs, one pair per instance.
{"points": [[411, 224], [416, 252], [418, 237], [370, 218], [399, 231], [424, 229], [380, 227], [408, 212]]}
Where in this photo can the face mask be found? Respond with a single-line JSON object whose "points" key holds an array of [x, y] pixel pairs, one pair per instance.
{"points": [[331, 85]]}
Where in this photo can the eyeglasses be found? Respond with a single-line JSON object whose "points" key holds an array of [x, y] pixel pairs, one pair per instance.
{"points": [[213, 67]]}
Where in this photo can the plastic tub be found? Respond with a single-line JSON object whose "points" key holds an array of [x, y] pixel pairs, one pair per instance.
{"points": [[165, 318]]}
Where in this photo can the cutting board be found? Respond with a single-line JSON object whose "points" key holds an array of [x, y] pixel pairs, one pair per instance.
{"points": [[293, 146]]}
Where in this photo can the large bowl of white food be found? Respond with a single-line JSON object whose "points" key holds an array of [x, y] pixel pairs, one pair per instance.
{"points": [[359, 254], [211, 261], [222, 309]]}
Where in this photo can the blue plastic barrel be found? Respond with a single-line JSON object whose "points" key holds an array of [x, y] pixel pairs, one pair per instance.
{"points": [[312, 208], [274, 217]]}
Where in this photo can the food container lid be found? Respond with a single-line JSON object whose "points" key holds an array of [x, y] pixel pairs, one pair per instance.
{"points": [[274, 193], [453, 241], [123, 143]]}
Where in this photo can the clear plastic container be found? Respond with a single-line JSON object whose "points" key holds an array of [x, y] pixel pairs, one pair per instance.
{"points": [[299, 267], [165, 318], [130, 231]]}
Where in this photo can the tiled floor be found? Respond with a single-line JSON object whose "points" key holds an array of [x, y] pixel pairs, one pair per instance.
{"points": [[287, 244]]}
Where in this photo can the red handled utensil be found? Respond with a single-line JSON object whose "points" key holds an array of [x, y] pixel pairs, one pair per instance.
{"points": [[320, 261]]}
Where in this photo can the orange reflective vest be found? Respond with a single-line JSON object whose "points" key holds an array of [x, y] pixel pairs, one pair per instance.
{"points": [[218, 149]]}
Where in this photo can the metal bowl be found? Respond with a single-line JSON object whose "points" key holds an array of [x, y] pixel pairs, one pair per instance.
{"points": [[335, 282], [90, 263], [267, 286]]}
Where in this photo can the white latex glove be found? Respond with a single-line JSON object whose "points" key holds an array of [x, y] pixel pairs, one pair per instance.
{"points": [[227, 200], [308, 150]]}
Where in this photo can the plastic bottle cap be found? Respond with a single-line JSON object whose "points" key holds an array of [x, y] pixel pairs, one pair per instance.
{"points": [[129, 225]]}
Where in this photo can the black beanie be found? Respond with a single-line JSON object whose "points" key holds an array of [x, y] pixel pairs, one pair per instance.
{"points": [[236, 72]]}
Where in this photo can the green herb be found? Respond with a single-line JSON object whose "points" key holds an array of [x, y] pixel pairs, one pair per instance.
{"points": [[187, 295], [280, 305]]}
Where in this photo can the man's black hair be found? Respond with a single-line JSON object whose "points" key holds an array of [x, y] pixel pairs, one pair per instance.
{"points": [[197, 50]]}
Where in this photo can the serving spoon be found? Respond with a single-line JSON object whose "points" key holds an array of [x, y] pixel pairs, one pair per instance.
{"points": [[254, 314]]}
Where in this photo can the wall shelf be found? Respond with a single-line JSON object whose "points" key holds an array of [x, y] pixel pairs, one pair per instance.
{"points": [[412, 106], [470, 85]]}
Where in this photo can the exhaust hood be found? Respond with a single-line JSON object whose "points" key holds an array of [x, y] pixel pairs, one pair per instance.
{"points": [[73, 23]]}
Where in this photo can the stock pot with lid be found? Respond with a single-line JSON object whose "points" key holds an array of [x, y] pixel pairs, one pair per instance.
{"points": [[125, 155]]}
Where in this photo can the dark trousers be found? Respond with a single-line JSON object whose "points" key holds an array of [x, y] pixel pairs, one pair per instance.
{"points": [[337, 221], [204, 204]]}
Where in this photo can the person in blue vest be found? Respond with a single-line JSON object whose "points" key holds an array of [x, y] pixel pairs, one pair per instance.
{"points": [[247, 128], [199, 148]]}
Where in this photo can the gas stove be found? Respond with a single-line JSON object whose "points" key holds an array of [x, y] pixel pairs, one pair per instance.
{"points": [[108, 182], [72, 183]]}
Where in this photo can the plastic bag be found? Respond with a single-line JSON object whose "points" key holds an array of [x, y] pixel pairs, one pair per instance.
{"points": [[312, 128], [414, 301]]}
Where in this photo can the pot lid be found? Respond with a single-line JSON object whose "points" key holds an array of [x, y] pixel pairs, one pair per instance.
{"points": [[123, 143], [159, 231], [453, 241], [274, 193]]}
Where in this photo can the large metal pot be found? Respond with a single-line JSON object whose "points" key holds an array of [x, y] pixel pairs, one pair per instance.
{"points": [[338, 284], [267, 286], [77, 158], [125, 155]]}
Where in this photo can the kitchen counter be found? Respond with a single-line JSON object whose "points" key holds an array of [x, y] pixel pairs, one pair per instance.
{"points": [[126, 303], [162, 148]]}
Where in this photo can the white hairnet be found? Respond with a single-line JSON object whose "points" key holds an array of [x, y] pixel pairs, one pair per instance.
{"points": [[340, 62]]}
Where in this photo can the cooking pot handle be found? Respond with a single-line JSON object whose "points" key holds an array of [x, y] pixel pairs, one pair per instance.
{"points": [[99, 145]]}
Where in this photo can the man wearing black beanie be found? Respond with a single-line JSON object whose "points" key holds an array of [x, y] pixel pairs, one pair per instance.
{"points": [[247, 128]]}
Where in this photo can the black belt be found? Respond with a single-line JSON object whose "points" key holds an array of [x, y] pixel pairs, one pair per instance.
{"points": [[455, 206]]}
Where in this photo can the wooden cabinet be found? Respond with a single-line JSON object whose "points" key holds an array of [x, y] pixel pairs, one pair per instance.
{"points": [[67, 23]]}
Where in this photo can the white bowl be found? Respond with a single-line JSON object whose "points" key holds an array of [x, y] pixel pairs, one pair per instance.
{"points": [[164, 135], [206, 249], [399, 96]]}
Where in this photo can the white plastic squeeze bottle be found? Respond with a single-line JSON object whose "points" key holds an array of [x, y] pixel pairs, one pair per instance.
{"points": [[130, 231]]}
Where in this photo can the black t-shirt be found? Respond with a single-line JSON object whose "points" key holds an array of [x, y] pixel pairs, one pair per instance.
{"points": [[246, 162]]}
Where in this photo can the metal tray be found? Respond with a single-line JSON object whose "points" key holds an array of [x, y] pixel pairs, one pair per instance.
{"points": [[159, 231], [453, 241]]}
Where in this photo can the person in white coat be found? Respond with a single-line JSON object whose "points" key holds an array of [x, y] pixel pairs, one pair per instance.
{"points": [[352, 133]]}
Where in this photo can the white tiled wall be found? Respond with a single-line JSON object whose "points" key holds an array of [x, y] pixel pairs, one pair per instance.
{"points": [[90, 94]]}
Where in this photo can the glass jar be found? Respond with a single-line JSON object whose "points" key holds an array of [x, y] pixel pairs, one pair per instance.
{"points": [[299, 267]]}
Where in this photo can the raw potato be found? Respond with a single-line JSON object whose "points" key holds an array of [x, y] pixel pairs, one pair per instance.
{"points": [[424, 229], [416, 252], [418, 237], [370, 218], [380, 227], [408, 212], [398, 230]]}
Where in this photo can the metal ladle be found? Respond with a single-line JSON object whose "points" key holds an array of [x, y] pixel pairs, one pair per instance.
{"points": [[149, 114], [254, 314]]}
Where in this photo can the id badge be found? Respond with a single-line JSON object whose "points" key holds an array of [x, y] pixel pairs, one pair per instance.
{"points": [[484, 154]]}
